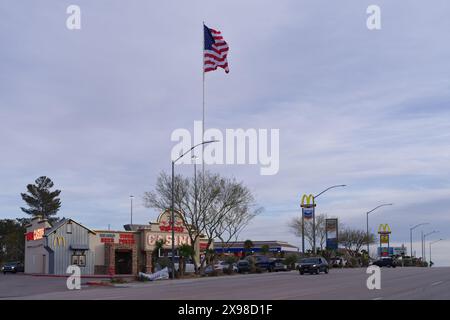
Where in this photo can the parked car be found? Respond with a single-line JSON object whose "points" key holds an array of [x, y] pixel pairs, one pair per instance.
{"points": [[12, 267], [313, 265], [385, 262], [208, 269], [221, 265], [243, 266], [189, 266], [261, 262], [277, 265]]}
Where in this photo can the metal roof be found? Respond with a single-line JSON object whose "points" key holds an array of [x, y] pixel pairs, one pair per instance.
{"points": [[62, 222]]}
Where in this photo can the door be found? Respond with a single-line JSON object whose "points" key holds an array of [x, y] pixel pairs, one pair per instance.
{"points": [[123, 262]]}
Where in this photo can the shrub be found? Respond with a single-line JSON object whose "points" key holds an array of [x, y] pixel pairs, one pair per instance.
{"points": [[290, 260], [231, 259]]}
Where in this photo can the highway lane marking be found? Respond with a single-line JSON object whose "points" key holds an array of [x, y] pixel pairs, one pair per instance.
{"points": [[379, 298], [436, 283]]}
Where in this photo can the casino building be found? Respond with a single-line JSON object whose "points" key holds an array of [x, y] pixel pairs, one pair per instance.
{"points": [[51, 249]]}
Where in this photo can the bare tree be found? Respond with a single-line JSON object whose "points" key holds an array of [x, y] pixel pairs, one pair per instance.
{"points": [[354, 239], [218, 207], [295, 226]]}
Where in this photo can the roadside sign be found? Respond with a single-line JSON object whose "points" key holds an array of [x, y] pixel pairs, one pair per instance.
{"points": [[308, 213], [331, 233]]}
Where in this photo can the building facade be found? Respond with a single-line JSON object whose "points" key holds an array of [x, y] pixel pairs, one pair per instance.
{"points": [[237, 248], [51, 249]]}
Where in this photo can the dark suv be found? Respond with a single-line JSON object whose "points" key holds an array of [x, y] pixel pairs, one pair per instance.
{"points": [[12, 267], [313, 265], [262, 262], [243, 266], [385, 262]]}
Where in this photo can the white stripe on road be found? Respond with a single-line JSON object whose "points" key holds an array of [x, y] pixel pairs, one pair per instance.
{"points": [[436, 283], [379, 298]]}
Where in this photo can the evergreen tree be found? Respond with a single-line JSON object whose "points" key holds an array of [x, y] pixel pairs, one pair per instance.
{"points": [[41, 201]]}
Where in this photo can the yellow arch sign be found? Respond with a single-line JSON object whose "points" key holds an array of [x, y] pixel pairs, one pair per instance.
{"points": [[58, 241], [308, 201], [384, 229]]}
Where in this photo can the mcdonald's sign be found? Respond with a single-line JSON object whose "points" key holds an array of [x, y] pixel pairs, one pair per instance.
{"points": [[384, 229], [384, 238], [58, 241], [308, 201]]}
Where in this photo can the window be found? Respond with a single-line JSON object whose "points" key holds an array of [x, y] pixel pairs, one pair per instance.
{"points": [[79, 260], [69, 227]]}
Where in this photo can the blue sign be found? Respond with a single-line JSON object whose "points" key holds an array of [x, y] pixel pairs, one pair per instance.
{"points": [[332, 244], [308, 213]]}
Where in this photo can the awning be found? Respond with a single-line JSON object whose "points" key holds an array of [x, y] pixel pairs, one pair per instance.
{"points": [[79, 247]]}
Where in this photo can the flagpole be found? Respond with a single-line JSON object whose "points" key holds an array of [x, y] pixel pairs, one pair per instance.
{"points": [[203, 106]]}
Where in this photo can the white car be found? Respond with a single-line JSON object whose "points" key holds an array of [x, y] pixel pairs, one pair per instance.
{"points": [[189, 266], [221, 265]]}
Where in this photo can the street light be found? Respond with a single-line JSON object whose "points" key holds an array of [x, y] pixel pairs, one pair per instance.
{"points": [[131, 208], [314, 214], [424, 243], [430, 248], [172, 200], [367, 222], [410, 235]]}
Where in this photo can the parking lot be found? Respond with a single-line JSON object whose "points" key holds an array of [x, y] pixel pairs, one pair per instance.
{"points": [[398, 283], [20, 285]]}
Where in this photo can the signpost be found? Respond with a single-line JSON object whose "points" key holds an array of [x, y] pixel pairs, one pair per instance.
{"points": [[331, 233], [384, 231], [308, 205]]}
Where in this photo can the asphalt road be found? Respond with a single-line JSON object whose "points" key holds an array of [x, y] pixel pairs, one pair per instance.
{"points": [[398, 283]]}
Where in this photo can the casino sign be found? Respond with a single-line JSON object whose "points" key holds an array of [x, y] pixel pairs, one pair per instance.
{"points": [[162, 230]]}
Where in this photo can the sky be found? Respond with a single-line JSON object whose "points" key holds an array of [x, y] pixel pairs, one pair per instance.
{"points": [[94, 108]]}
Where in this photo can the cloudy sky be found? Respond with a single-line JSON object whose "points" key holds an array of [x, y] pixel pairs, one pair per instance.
{"points": [[94, 108]]}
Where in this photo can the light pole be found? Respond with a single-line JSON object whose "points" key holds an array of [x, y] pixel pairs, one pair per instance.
{"points": [[194, 158], [314, 213], [367, 223], [430, 248], [410, 235], [131, 208], [424, 243], [172, 200]]}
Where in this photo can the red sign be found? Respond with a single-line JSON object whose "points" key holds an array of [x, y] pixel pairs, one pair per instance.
{"points": [[35, 234], [165, 223], [107, 237], [107, 240], [126, 238], [169, 228]]}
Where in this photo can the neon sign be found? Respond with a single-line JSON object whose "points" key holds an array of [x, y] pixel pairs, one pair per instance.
{"points": [[35, 234]]}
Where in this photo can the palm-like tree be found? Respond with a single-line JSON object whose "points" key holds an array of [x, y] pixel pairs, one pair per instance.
{"points": [[248, 245], [185, 251], [159, 244], [265, 249]]}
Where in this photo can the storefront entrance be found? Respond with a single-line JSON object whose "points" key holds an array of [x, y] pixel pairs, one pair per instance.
{"points": [[123, 261]]}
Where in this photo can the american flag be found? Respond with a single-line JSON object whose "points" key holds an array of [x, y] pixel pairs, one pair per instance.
{"points": [[215, 50]]}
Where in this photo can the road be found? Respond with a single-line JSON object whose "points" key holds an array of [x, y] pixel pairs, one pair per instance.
{"points": [[398, 283]]}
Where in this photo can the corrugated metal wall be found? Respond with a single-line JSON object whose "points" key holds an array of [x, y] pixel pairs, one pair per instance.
{"points": [[60, 242]]}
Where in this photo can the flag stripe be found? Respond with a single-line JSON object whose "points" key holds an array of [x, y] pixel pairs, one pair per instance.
{"points": [[215, 51]]}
